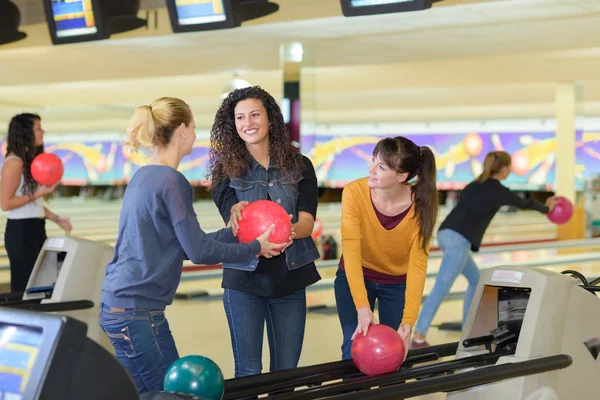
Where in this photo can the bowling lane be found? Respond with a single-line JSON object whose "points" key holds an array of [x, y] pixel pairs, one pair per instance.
{"points": [[200, 327], [98, 220], [322, 292]]}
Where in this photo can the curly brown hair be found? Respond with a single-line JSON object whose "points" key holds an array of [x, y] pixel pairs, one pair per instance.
{"points": [[228, 156]]}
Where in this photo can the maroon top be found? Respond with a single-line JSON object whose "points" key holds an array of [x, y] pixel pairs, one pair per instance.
{"points": [[379, 277]]}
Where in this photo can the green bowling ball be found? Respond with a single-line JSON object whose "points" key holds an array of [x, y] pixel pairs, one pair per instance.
{"points": [[195, 375]]}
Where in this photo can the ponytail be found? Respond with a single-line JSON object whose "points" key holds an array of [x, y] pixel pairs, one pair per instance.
{"points": [[404, 156], [141, 129], [426, 196], [154, 125], [493, 163]]}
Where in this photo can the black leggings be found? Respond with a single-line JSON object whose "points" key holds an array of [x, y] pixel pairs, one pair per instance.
{"points": [[23, 240]]}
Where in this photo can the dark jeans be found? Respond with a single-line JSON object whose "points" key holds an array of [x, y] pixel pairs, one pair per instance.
{"points": [[390, 302], [285, 318], [23, 240], [143, 344]]}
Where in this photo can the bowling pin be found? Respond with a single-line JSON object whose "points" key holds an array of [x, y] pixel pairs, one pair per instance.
{"points": [[66, 158], [127, 170], [539, 177], [497, 142], [525, 140], [450, 168], [323, 171], [110, 161], [476, 167], [361, 154]]}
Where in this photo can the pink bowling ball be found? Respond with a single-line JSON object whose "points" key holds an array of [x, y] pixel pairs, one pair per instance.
{"points": [[562, 211]]}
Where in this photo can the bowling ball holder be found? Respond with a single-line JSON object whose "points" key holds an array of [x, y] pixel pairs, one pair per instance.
{"points": [[502, 339]]}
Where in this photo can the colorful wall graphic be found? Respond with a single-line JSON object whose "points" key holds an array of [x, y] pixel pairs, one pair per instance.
{"points": [[459, 157], [109, 163], [340, 159]]}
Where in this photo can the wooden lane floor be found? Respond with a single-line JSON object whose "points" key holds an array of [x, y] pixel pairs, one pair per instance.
{"points": [[320, 295], [200, 327]]}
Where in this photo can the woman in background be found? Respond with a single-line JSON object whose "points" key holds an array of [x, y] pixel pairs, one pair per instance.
{"points": [[23, 198], [462, 232]]}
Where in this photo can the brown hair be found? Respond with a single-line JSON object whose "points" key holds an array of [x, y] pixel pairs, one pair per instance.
{"points": [[21, 142], [154, 125], [494, 162], [404, 156], [228, 155]]}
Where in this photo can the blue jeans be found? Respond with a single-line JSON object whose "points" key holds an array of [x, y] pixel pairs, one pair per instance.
{"points": [[285, 318], [143, 344], [390, 301], [457, 260]]}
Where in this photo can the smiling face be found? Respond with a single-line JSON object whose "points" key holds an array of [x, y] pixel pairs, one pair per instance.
{"points": [[382, 176], [252, 122]]}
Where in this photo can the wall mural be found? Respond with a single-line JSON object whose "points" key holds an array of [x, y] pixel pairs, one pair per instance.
{"points": [[340, 159]]}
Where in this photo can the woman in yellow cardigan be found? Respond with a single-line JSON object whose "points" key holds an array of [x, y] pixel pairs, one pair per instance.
{"points": [[387, 224]]}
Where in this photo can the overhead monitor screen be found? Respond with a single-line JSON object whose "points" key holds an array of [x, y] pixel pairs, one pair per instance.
{"points": [[19, 348], [353, 8], [362, 3], [194, 12], [74, 18]]}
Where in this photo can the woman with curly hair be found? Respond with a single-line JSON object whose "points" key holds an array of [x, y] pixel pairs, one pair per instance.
{"points": [[22, 197], [252, 158]]}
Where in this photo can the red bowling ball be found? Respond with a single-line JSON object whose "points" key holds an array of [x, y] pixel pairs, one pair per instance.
{"points": [[47, 169], [380, 352], [562, 211], [258, 216]]}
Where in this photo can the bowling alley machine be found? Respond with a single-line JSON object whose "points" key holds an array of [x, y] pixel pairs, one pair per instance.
{"points": [[46, 356], [66, 280], [534, 313], [530, 334]]}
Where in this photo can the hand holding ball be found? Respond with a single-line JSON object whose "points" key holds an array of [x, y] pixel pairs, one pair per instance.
{"points": [[47, 169], [258, 216], [381, 351], [562, 211]]}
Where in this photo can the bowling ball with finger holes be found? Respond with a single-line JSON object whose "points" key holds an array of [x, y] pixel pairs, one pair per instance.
{"points": [[258, 216], [195, 375], [47, 169], [381, 351], [562, 211]]}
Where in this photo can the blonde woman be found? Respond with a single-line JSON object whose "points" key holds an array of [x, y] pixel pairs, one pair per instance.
{"points": [[462, 232], [158, 229]]}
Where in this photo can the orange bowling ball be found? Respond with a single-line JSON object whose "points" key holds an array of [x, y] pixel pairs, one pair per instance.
{"points": [[473, 144]]}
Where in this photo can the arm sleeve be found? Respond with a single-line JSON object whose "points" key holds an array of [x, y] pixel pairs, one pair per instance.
{"points": [[224, 197], [308, 196], [511, 198], [351, 240], [415, 282], [224, 235], [204, 249], [199, 247]]}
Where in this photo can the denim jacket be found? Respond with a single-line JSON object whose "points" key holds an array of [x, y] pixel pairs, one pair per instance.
{"points": [[255, 185]]}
